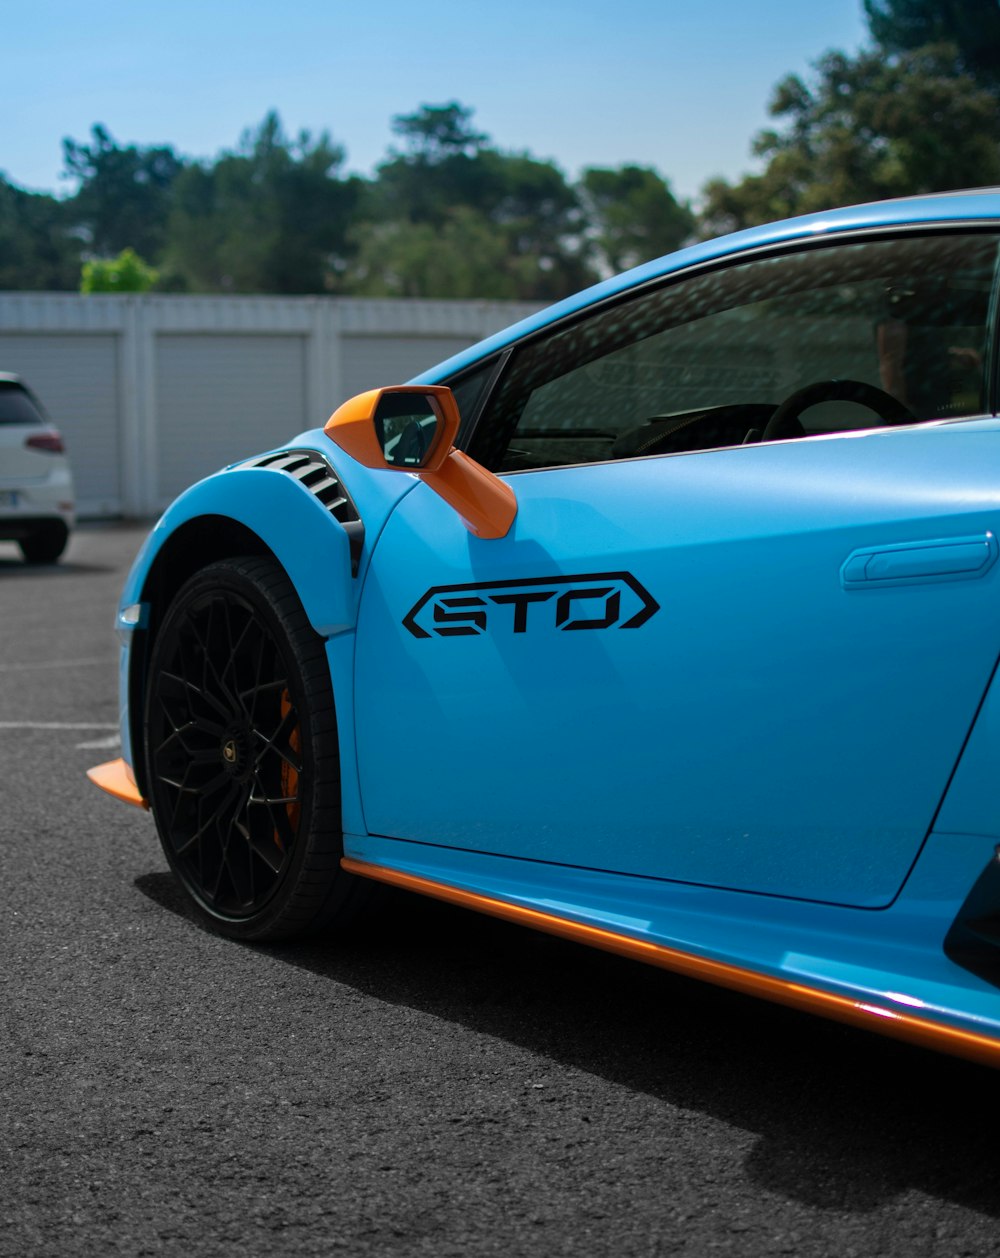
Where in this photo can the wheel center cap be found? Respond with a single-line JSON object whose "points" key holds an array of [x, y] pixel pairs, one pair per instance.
{"points": [[236, 752]]}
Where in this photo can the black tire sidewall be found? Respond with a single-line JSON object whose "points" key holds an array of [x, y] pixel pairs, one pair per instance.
{"points": [[46, 543]]}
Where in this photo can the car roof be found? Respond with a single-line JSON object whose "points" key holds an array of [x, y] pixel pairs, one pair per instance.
{"points": [[946, 208], [8, 377]]}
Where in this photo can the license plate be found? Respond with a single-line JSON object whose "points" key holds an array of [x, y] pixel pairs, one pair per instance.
{"points": [[9, 497]]}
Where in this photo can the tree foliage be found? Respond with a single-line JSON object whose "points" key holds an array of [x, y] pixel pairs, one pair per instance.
{"points": [[447, 214], [917, 112], [125, 274], [633, 215], [451, 215], [272, 216], [37, 248], [436, 133], [971, 27], [124, 193], [867, 128], [460, 257]]}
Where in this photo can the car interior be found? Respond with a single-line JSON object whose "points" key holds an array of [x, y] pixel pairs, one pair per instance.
{"points": [[822, 340]]}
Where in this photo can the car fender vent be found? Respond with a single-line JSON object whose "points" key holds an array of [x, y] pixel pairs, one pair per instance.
{"points": [[311, 469]]}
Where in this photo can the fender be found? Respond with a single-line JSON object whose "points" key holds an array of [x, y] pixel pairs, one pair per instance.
{"points": [[304, 537], [306, 540]]}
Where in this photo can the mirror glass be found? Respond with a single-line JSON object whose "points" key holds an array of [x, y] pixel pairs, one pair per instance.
{"points": [[405, 425]]}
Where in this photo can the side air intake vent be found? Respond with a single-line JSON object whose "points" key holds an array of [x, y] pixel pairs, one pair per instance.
{"points": [[311, 469]]}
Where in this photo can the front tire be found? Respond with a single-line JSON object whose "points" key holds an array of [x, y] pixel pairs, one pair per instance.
{"points": [[242, 756]]}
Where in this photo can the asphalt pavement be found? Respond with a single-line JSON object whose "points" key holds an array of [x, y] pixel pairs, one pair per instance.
{"points": [[434, 1083]]}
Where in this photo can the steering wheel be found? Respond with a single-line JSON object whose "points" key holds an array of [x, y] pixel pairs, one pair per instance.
{"points": [[785, 420]]}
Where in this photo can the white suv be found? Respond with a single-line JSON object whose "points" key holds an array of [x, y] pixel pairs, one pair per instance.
{"points": [[36, 485]]}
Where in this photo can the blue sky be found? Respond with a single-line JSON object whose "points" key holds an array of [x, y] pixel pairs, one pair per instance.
{"points": [[679, 86]]}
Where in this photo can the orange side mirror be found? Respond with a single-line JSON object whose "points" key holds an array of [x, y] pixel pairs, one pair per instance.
{"points": [[412, 428]]}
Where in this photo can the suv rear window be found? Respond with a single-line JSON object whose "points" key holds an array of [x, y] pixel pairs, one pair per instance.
{"points": [[16, 405]]}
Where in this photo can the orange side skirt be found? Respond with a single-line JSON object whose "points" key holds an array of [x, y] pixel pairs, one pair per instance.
{"points": [[115, 777], [872, 1017]]}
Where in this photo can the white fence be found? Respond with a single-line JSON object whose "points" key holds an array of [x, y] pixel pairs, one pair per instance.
{"points": [[153, 392]]}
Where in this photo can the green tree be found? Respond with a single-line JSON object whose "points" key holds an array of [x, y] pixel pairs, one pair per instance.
{"points": [[971, 26], [448, 214], [272, 216], [464, 257], [868, 127], [633, 214], [437, 168], [447, 187], [125, 274], [542, 222], [37, 247], [435, 133], [123, 194]]}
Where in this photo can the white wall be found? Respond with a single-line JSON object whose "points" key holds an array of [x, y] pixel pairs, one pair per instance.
{"points": [[153, 392]]}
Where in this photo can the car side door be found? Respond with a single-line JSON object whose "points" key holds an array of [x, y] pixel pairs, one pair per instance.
{"points": [[675, 665]]}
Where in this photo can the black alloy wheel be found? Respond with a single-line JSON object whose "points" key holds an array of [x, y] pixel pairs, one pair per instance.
{"points": [[242, 756]]}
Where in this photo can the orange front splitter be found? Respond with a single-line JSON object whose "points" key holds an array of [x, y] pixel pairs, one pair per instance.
{"points": [[116, 778]]}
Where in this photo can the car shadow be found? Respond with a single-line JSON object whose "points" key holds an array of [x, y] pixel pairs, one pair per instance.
{"points": [[846, 1120]]}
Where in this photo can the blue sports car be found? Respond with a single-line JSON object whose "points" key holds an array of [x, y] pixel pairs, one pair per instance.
{"points": [[666, 620]]}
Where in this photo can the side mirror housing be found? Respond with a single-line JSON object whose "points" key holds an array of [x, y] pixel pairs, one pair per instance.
{"points": [[409, 427], [412, 428]]}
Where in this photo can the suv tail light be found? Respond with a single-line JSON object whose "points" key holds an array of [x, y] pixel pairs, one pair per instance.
{"points": [[50, 441]]}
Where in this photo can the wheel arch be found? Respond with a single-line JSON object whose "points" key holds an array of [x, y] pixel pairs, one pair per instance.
{"points": [[225, 517]]}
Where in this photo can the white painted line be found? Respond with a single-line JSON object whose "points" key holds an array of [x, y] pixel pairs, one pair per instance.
{"points": [[91, 659], [100, 744], [57, 725]]}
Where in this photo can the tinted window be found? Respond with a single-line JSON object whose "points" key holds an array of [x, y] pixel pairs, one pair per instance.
{"points": [[468, 391], [705, 362], [16, 406]]}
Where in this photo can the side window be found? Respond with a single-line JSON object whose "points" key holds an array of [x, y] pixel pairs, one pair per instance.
{"points": [[847, 336]]}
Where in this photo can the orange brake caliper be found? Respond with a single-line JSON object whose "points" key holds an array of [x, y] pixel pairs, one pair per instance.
{"points": [[289, 776]]}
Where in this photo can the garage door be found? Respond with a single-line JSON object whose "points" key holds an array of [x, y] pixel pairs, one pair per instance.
{"points": [[76, 378], [368, 362], [222, 398]]}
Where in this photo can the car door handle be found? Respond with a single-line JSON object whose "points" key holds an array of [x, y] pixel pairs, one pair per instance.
{"points": [[939, 559]]}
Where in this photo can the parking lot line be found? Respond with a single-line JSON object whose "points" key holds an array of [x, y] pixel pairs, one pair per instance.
{"points": [[58, 725], [92, 659]]}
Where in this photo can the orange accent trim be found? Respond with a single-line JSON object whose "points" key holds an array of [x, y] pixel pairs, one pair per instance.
{"points": [[486, 504], [289, 776], [352, 426], [879, 1018], [443, 401], [116, 778]]}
